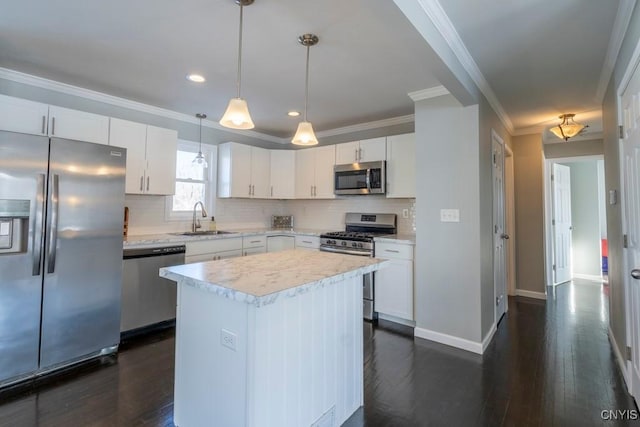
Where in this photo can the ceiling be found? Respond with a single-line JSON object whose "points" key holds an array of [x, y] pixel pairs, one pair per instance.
{"points": [[368, 58], [541, 58]]}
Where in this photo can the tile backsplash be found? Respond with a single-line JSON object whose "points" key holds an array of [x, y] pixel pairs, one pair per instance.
{"points": [[147, 213]]}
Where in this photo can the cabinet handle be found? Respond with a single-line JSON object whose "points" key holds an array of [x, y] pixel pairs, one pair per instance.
{"points": [[253, 190], [147, 183], [356, 154], [141, 183], [311, 191], [53, 126], [254, 241], [272, 191], [307, 241], [359, 154], [245, 253], [249, 189], [393, 251], [44, 123], [315, 191]]}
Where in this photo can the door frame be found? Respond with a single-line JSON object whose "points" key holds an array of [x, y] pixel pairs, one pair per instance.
{"points": [[495, 137], [510, 219], [549, 241], [625, 365]]}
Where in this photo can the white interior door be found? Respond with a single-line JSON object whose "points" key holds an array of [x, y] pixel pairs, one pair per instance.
{"points": [[631, 199], [499, 234], [561, 182]]}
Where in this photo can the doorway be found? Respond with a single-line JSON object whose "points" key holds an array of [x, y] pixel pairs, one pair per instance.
{"points": [[575, 219], [500, 236]]}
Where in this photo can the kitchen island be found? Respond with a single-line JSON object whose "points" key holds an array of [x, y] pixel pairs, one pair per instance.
{"points": [[269, 340]]}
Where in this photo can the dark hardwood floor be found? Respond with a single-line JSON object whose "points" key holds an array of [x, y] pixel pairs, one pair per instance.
{"points": [[550, 364]]}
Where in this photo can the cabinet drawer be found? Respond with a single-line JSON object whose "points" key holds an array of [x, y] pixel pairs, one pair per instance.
{"points": [[311, 242], [393, 251], [254, 241], [211, 246]]}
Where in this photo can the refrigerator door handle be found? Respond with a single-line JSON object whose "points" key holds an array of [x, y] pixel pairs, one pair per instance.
{"points": [[37, 229], [53, 227]]}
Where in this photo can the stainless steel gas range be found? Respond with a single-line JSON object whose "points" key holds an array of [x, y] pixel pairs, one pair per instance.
{"points": [[358, 239]]}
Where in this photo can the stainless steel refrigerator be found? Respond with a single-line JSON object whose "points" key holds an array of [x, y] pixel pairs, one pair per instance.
{"points": [[61, 215]]}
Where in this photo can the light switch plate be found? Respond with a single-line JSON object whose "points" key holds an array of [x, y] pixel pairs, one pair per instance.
{"points": [[613, 197], [449, 215]]}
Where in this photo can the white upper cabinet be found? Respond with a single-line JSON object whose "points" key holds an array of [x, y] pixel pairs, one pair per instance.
{"points": [[243, 171], [367, 150], [283, 174], [78, 125], [23, 116], [401, 166], [151, 156], [314, 173]]}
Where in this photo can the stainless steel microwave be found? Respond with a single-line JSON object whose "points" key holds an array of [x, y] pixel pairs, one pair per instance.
{"points": [[360, 178]]}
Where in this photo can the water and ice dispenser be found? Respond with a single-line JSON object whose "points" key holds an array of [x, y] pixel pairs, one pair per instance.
{"points": [[14, 226]]}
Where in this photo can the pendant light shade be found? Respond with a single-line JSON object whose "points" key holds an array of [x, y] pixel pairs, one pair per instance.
{"points": [[568, 128], [305, 135], [237, 114], [200, 159]]}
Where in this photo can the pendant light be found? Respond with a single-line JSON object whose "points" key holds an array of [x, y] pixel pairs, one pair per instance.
{"points": [[568, 128], [200, 160], [237, 114], [305, 135]]}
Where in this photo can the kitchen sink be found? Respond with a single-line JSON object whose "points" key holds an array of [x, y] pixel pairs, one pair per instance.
{"points": [[203, 233]]}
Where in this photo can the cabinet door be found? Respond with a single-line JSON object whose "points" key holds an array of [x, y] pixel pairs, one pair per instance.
{"points": [[307, 242], [260, 171], [394, 289], [373, 150], [162, 148], [78, 125], [20, 115], [132, 136], [347, 152], [280, 243], [401, 165], [305, 173], [253, 251], [324, 163], [228, 254], [283, 174]]}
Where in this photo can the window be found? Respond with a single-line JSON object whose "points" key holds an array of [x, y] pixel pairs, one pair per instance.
{"points": [[193, 183]]}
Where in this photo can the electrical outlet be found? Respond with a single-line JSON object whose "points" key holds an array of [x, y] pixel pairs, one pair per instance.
{"points": [[405, 213], [228, 339], [449, 215]]}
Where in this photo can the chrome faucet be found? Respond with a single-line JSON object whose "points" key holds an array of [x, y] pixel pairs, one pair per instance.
{"points": [[196, 222]]}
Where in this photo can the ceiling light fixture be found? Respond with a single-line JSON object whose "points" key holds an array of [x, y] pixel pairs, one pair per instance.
{"points": [[196, 78], [237, 114], [200, 159], [293, 113], [568, 128], [304, 135]]}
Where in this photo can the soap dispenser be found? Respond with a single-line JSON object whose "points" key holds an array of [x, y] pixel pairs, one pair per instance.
{"points": [[212, 224]]}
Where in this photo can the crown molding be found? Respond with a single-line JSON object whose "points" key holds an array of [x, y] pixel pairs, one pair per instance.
{"points": [[409, 118], [428, 93], [40, 82], [434, 11], [620, 26]]}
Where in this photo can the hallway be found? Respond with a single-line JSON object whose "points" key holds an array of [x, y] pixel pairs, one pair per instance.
{"points": [[549, 365]]}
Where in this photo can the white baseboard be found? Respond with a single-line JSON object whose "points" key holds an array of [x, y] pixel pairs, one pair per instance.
{"points": [[450, 340], [622, 363], [531, 294], [487, 339], [590, 277]]}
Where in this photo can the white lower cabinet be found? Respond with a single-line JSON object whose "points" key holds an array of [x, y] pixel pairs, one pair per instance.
{"points": [[308, 242], [394, 282], [211, 250], [280, 243], [254, 245]]}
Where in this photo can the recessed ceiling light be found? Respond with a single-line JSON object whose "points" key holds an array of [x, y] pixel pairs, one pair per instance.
{"points": [[293, 113], [197, 78]]}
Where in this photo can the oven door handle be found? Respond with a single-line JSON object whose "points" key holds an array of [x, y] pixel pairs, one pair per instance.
{"points": [[345, 251], [369, 180]]}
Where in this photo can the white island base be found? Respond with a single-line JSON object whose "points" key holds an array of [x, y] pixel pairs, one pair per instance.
{"points": [[296, 360]]}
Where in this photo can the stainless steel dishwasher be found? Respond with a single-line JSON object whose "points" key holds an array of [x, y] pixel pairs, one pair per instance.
{"points": [[148, 300]]}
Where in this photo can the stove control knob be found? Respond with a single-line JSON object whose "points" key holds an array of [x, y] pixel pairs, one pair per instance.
{"points": [[359, 245], [344, 243], [354, 244]]}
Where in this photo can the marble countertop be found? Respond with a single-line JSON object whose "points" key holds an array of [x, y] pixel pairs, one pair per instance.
{"points": [[406, 239], [168, 238], [262, 279]]}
